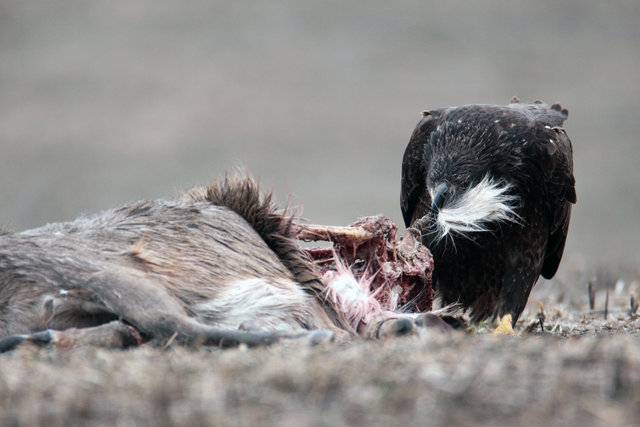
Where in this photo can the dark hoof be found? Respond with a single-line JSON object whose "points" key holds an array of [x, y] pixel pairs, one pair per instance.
{"points": [[42, 337], [431, 322], [320, 337], [11, 342], [396, 327]]}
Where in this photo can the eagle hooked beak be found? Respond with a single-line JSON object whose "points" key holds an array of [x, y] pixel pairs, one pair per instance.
{"points": [[438, 198]]}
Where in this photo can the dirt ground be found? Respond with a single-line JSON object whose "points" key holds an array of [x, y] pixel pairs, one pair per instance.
{"points": [[582, 370]]}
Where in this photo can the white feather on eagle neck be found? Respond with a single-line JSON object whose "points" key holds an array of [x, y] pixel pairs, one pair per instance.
{"points": [[486, 202]]}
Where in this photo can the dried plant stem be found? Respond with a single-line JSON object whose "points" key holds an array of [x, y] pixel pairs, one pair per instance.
{"points": [[633, 305], [541, 317]]}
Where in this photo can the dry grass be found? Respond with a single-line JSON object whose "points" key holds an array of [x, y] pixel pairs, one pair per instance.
{"points": [[586, 372]]}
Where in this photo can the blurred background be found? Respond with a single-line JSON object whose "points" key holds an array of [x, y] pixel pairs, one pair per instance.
{"points": [[107, 102]]}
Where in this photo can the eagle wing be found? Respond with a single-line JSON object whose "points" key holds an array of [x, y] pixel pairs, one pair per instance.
{"points": [[563, 194], [555, 153], [414, 198]]}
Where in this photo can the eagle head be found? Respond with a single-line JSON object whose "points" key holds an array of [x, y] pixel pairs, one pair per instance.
{"points": [[469, 188], [460, 211]]}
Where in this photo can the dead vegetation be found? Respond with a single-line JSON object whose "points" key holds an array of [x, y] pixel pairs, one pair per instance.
{"points": [[578, 369]]}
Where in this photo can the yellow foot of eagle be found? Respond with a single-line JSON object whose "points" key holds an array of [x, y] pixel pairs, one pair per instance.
{"points": [[505, 327]]}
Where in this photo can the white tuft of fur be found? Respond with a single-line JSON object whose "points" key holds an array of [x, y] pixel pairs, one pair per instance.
{"points": [[353, 296], [272, 304], [487, 202]]}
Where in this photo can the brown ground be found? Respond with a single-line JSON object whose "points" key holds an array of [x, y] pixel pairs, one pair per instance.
{"points": [[582, 370]]}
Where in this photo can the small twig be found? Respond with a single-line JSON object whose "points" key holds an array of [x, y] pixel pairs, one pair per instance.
{"points": [[633, 305], [592, 295], [168, 344], [606, 305], [541, 317]]}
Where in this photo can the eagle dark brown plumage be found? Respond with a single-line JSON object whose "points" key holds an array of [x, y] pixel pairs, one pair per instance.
{"points": [[490, 187]]}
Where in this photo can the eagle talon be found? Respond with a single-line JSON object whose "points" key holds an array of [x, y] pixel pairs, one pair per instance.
{"points": [[505, 327]]}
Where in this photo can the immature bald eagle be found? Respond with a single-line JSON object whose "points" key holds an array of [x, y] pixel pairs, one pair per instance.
{"points": [[491, 188]]}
